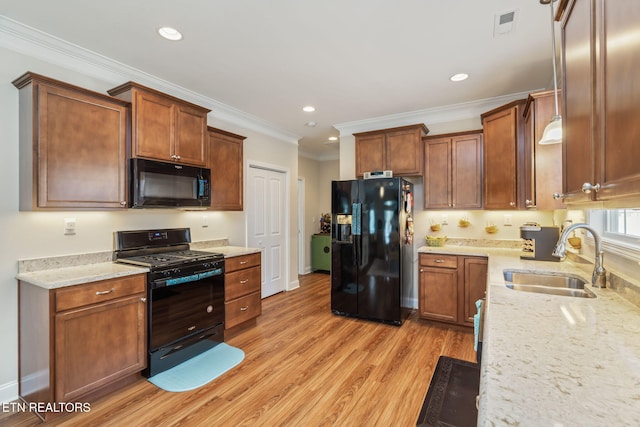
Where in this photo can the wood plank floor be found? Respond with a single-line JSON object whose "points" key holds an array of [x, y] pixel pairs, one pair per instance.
{"points": [[303, 367]]}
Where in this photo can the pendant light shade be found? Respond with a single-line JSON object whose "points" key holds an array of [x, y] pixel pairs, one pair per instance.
{"points": [[553, 132]]}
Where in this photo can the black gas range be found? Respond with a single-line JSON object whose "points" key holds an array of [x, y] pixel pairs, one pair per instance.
{"points": [[185, 291]]}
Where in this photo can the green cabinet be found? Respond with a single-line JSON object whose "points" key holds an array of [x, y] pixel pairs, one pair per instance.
{"points": [[321, 252]]}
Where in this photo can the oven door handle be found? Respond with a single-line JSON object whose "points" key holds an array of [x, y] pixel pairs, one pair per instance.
{"points": [[187, 279]]}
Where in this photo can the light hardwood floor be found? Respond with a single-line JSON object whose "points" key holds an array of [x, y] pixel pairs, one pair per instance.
{"points": [[303, 367]]}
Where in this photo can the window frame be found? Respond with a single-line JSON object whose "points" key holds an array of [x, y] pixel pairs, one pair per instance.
{"points": [[621, 245]]}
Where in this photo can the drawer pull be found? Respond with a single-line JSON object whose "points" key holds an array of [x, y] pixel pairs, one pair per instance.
{"points": [[244, 262], [242, 282], [143, 299], [244, 308], [105, 292], [439, 261]]}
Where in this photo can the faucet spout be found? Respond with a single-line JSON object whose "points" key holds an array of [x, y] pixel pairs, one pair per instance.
{"points": [[599, 276]]}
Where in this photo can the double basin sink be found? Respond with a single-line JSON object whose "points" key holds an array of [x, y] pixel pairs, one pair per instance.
{"points": [[547, 283]]}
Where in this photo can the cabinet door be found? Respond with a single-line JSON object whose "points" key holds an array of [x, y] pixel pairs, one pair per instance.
{"points": [[578, 100], [475, 285], [369, 153], [500, 157], [153, 127], [528, 175], [438, 294], [81, 150], [226, 163], [191, 136], [466, 172], [97, 345], [404, 152], [618, 167], [437, 181]]}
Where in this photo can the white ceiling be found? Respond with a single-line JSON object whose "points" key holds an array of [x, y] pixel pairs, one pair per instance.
{"points": [[352, 59]]}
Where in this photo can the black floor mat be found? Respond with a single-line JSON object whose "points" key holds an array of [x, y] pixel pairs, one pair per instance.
{"points": [[451, 399]]}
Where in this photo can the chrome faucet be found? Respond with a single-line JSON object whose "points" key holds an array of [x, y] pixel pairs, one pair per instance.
{"points": [[598, 278]]}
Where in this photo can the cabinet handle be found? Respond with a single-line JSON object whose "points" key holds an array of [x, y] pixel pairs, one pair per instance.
{"points": [[244, 308], [105, 292], [242, 282], [243, 262], [178, 157], [439, 261], [512, 204], [143, 299], [559, 196], [123, 203], [173, 156], [421, 270], [587, 187]]}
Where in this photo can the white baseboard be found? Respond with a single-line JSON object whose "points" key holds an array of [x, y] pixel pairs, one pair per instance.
{"points": [[9, 392], [293, 285]]}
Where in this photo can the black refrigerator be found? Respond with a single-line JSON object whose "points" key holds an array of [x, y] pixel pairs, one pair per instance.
{"points": [[371, 247]]}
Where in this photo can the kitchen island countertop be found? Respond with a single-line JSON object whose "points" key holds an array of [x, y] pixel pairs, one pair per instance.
{"points": [[551, 360]]}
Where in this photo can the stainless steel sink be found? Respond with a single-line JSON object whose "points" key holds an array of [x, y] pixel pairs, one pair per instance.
{"points": [[547, 283]]}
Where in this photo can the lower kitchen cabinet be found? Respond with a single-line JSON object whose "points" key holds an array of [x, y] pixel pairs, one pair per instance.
{"points": [[242, 286], [449, 286], [78, 341]]}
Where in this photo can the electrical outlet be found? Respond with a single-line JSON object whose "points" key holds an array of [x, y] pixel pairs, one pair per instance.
{"points": [[445, 219], [205, 221], [69, 226], [507, 220]]}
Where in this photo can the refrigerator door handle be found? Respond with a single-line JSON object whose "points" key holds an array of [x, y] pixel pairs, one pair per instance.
{"points": [[356, 231]]}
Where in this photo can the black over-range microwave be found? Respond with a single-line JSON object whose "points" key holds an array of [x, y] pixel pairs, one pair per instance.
{"points": [[157, 184]]}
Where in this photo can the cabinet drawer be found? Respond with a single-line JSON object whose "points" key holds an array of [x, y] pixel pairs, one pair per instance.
{"points": [[240, 262], [242, 309], [241, 282], [104, 290], [438, 260]]}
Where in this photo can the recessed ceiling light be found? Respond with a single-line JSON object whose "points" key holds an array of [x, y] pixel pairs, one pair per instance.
{"points": [[333, 138], [309, 109], [459, 77], [311, 124], [170, 33]]}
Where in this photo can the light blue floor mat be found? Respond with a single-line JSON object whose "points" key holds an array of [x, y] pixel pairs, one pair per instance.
{"points": [[199, 370]]}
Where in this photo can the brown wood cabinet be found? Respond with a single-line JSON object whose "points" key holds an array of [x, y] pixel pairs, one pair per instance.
{"points": [[242, 287], [503, 159], [601, 88], [77, 341], [449, 286], [165, 128], [542, 163], [72, 146], [226, 164], [398, 149], [453, 171]]}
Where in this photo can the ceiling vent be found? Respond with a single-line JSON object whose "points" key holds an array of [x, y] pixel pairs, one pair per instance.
{"points": [[505, 22]]}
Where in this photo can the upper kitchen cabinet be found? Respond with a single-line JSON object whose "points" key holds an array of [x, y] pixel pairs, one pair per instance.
{"points": [[453, 171], [73, 146], [226, 164], [397, 149], [601, 93], [165, 128], [503, 131], [542, 163]]}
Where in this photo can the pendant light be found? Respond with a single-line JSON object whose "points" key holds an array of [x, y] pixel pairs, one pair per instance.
{"points": [[553, 132]]}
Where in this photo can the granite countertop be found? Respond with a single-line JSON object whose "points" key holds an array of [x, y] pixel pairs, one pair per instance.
{"points": [[552, 360], [58, 272]]}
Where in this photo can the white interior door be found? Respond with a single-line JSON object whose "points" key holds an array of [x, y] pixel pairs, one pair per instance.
{"points": [[266, 225]]}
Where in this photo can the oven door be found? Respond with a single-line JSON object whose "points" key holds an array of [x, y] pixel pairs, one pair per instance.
{"points": [[184, 307]]}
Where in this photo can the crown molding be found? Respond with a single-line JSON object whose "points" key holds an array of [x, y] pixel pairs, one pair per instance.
{"points": [[38, 44], [429, 116]]}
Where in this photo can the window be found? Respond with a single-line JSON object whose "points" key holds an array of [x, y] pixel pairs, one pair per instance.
{"points": [[622, 225]]}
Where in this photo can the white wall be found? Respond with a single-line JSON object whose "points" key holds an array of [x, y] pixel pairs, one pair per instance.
{"points": [[317, 176], [25, 235]]}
